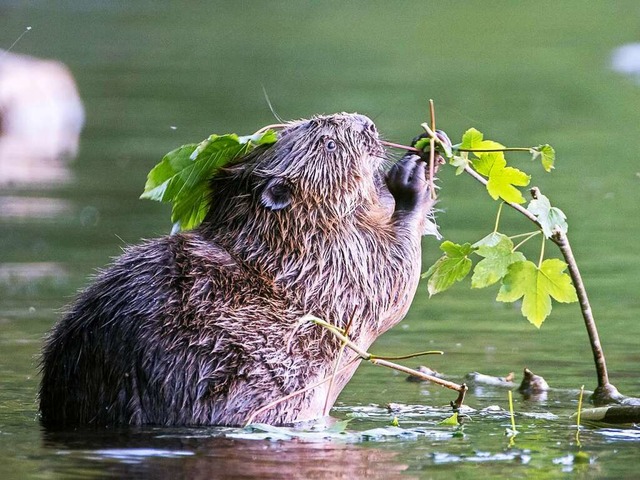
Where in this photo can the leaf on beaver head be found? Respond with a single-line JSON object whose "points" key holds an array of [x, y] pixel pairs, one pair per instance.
{"points": [[182, 177]]}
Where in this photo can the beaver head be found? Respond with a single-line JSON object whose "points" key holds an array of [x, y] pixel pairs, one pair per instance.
{"points": [[321, 175], [328, 162]]}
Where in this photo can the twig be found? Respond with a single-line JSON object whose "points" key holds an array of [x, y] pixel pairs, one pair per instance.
{"points": [[417, 373], [399, 145], [363, 354], [579, 415]]}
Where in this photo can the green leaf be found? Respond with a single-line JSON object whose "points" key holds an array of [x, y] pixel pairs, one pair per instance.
{"points": [[472, 139], [537, 286], [159, 177], [491, 240], [460, 162], [452, 267], [182, 177], [451, 421], [550, 218], [547, 154], [502, 180], [424, 144], [497, 250]]}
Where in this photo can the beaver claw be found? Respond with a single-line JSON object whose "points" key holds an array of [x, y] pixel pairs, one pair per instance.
{"points": [[407, 183]]}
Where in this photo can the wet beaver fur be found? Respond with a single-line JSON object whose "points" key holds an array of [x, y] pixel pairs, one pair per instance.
{"points": [[202, 327]]}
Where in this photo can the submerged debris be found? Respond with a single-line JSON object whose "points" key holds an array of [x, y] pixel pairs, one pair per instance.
{"points": [[532, 383]]}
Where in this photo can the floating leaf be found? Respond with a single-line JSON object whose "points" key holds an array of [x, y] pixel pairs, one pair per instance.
{"points": [[452, 267], [498, 255], [450, 421], [537, 286], [182, 177], [340, 426], [550, 218]]}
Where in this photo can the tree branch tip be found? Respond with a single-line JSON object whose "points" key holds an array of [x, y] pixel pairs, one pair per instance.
{"points": [[535, 192]]}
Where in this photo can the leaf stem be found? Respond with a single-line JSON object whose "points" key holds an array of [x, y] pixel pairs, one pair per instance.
{"points": [[541, 252], [512, 415], [277, 401], [363, 354], [270, 127], [495, 228], [411, 355], [528, 234], [432, 112], [529, 237], [489, 150], [326, 407]]}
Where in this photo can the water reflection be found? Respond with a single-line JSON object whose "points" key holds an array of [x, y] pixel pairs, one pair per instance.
{"points": [[196, 456], [626, 59], [22, 272], [41, 117], [15, 207]]}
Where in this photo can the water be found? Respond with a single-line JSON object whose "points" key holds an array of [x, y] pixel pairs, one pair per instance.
{"points": [[154, 75]]}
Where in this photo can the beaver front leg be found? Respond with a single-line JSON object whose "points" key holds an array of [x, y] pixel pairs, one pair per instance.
{"points": [[407, 183], [412, 217]]}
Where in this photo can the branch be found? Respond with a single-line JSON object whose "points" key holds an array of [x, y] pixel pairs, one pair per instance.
{"points": [[561, 240], [364, 355], [605, 393]]}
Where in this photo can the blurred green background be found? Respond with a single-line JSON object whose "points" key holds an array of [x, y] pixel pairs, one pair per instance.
{"points": [[155, 75]]}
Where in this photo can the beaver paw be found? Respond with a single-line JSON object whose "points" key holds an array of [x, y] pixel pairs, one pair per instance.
{"points": [[407, 183]]}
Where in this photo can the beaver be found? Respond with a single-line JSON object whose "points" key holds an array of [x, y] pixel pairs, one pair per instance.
{"points": [[203, 327]]}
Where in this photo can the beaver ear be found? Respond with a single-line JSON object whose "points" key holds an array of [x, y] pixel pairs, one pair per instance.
{"points": [[276, 194]]}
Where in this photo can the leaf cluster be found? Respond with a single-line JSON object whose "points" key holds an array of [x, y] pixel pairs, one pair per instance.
{"points": [[501, 262], [182, 176]]}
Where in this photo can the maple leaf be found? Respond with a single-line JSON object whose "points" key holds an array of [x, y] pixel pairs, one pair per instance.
{"points": [[547, 155], [452, 267], [472, 139], [502, 180], [550, 218], [497, 250], [537, 286]]}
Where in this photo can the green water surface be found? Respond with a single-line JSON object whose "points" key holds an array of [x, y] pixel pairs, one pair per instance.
{"points": [[155, 75]]}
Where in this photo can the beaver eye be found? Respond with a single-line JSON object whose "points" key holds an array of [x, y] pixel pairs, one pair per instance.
{"points": [[330, 145]]}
